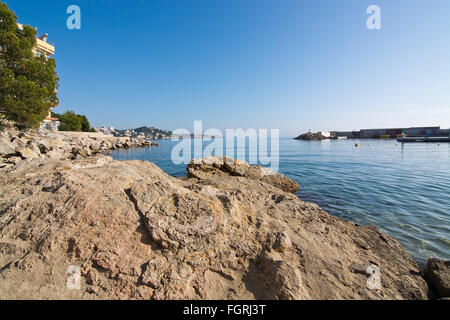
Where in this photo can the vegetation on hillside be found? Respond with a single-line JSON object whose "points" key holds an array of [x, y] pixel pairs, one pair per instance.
{"points": [[152, 130]]}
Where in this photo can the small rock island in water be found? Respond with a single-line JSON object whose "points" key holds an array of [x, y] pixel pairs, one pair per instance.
{"points": [[309, 136]]}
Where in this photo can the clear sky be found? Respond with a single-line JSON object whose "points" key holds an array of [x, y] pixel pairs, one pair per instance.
{"points": [[289, 64]]}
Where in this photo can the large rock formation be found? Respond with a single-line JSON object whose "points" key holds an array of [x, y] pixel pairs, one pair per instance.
{"points": [[134, 232], [216, 167]]}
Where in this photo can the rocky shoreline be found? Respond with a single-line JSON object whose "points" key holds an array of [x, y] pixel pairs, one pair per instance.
{"points": [[18, 147], [227, 231]]}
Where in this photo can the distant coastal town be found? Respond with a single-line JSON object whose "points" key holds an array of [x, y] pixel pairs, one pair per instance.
{"points": [[151, 133]]}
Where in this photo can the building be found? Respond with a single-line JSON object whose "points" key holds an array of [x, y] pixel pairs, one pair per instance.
{"points": [[108, 131], [50, 123], [444, 132], [326, 134], [342, 134], [423, 131], [42, 47], [45, 49], [393, 132]]}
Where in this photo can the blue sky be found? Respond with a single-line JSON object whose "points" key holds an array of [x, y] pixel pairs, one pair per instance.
{"points": [[291, 64]]}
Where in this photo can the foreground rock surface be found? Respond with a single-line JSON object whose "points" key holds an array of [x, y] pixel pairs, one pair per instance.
{"points": [[135, 232]]}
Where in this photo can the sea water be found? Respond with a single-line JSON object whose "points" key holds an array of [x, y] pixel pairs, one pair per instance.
{"points": [[404, 189]]}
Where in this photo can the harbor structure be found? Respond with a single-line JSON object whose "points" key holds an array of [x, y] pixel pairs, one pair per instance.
{"points": [[424, 139], [326, 134], [393, 133]]}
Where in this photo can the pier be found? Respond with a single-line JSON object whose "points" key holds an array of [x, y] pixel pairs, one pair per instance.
{"points": [[418, 133], [424, 139]]}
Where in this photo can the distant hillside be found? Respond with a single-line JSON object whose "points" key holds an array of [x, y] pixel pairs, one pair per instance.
{"points": [[147, 132]]}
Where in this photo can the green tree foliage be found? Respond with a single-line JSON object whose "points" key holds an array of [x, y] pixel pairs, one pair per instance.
{"points": [[85, 125], [28, 83], [70, 121]]}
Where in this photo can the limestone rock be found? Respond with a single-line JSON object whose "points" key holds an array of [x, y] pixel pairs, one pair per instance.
{"points": [[6, 165], [213, 167], [281, 182], [281, 279], [437, 273], [43, 148], [26, 153], [54, 154], [19, 142], [282, 242], [14, 160], [6, 148], [33, 147], [136, 233]]}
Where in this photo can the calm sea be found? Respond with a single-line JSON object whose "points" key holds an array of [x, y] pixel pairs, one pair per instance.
{"points": [[404, 189]]}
